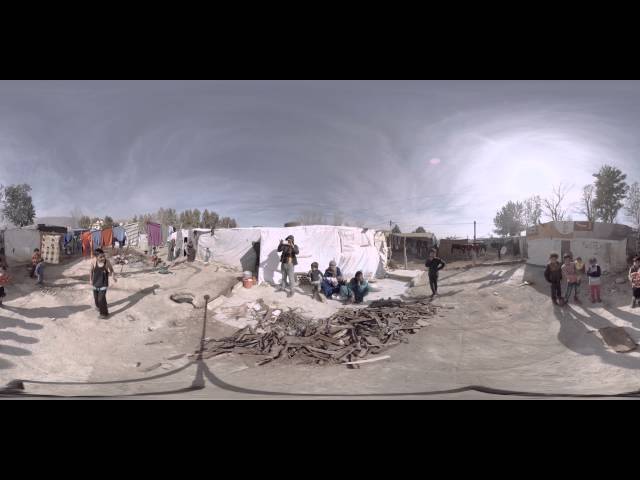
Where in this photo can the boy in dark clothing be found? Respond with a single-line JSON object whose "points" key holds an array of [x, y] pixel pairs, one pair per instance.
{"points": [[594, 272], [634, 278], [434, 264], [553, 275], [315, 275]]}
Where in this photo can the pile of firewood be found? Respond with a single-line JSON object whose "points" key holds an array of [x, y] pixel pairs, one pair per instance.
{"points": [[349, 335]]}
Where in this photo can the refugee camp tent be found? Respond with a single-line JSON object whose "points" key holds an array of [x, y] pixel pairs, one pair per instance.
{"points": [[230, 246], [353, 249], [19, 244], [132, 233]]}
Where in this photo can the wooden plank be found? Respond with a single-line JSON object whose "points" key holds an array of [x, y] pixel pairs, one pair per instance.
{"points": [[370, 360]]}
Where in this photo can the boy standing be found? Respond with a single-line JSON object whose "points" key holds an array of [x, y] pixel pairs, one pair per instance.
{"points": [[35, 259], [316, 282], [40, 272], [594, 272], [569, 271], [434, 265], [634, 278], [553, 275]]}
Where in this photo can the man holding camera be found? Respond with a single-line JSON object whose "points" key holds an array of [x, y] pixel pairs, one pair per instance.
{"points": [[288, 262]]}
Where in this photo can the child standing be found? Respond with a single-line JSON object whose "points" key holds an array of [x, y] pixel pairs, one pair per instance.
{"points": [[40, 272], [594, 272], [580, 271], [553, 275], [634, 278], [569, 271], [316, 282]]}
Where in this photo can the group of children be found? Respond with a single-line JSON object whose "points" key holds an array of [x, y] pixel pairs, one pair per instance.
{"points": [[573, 272], [332, 284], [36, 270]]}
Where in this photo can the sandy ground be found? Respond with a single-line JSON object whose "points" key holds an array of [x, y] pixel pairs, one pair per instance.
{"points": [[491, 331]]}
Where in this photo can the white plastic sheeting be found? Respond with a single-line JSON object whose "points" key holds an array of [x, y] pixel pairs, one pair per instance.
{"points": [[230, 246], [20, 243], [132, 233]]}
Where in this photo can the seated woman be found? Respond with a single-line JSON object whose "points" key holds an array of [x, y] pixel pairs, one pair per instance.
{"points": [[356, 289], [332, 280]]}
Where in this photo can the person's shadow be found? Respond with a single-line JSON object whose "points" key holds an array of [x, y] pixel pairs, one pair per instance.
{"points": [[270, 265], [46, 312], [133, 299]]}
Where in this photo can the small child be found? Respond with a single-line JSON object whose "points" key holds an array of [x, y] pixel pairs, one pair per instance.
{"points": [[569, 271], [4, 280], [40, 272], [553, 275], [634, 278], [594, 272], [316, 282], [580, 269]]}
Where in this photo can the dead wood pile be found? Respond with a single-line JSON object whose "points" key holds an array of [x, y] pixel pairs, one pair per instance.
{"points": [[348, 335]]}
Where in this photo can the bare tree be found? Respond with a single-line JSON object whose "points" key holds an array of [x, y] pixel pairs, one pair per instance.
{"points": [[553, 205], [632, 204], [532, 211], [587, 207]]}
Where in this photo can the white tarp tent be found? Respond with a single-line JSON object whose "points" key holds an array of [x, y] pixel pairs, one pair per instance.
{"points": [[230, 246], [352, 248], [132, 232], [19, 244]]}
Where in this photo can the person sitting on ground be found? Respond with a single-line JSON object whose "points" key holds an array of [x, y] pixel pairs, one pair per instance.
{"points": [[434, 265], [315, 275], [634, 278], [594, 272], [40, 272], [35, 259], [569, 272], [553, 275], [356, 289], [99, 279], [332, 280]]}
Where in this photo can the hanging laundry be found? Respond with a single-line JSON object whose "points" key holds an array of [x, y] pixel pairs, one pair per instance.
{"points": [[86, 244], [107, 237], [154, 231], [118, 233], [97, 239]]}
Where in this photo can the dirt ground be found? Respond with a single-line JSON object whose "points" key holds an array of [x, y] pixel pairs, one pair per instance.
{"points": [[492, 331]]}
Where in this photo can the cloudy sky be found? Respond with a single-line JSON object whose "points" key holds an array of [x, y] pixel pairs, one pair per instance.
{"points": [[437, 154]]}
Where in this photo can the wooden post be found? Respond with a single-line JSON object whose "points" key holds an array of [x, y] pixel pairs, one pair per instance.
{"points": [[405, 253]]}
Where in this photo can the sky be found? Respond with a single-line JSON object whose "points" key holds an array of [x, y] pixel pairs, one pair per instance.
{"points": [[437, 154]]}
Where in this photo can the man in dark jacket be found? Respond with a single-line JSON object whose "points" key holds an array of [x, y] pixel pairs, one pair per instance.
{"points": [[553, 275], [434, 264], [288, 261]]}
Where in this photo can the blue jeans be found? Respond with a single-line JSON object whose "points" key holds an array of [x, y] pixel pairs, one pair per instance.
{"points": [[571, 287]]}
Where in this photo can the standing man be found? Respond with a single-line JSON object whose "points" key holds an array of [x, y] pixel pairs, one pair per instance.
{"points": [[434, 265], [101, 268], [288, 261]]}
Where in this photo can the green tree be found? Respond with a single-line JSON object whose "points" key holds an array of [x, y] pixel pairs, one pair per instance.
{"points": [[420, 230], [17, 205], [171, 217], [84, 222], [396, 229], [509, 220], [195, 218], [108, 222], [611, 190]]}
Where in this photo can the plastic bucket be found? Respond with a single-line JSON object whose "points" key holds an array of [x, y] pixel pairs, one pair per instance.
{"points": [[247, 282]]}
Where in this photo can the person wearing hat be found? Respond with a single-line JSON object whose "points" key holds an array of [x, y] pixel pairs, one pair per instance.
{"points": [[332, 280], [288, 261]]}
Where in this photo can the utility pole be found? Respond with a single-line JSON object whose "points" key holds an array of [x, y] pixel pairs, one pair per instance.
{"points": [[474, 231]]}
